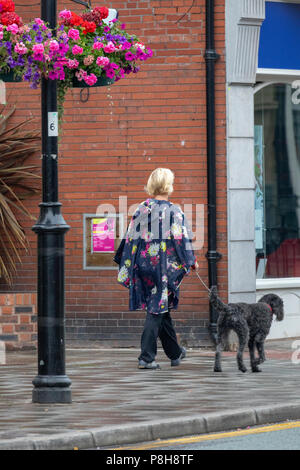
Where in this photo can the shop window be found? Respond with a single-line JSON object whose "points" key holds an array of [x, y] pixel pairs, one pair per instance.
{"points": [[277, 174]]}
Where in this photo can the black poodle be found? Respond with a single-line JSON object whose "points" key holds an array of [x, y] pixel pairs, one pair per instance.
{"points": [[251, 322]]}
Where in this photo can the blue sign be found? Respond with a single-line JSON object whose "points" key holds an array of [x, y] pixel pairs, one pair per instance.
{"points": [[279, 45]]}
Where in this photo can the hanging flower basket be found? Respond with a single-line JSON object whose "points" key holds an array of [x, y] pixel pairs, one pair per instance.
{"points": [[84, 46], [9, 77], [102, 81]]}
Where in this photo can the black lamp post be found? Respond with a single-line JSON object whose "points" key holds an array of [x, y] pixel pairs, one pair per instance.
{"points": [[51, 385]]}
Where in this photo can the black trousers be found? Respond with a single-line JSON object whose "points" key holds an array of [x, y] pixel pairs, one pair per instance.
{"points": [[159, 326]]}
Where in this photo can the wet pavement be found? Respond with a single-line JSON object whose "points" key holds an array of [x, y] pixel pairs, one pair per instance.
{"points": [[108, 389]]}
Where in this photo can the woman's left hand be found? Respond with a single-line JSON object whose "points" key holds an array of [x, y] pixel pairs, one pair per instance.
{"points": [[195, 266]]}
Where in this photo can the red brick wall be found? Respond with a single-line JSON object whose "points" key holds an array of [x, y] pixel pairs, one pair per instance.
{"points": [[113, 141], [18, 327]]}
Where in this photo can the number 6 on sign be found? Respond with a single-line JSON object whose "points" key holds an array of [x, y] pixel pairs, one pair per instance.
{"points": [[53, 124]]}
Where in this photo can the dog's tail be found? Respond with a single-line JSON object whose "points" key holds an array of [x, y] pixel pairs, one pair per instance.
{"points": [[216, 302]]}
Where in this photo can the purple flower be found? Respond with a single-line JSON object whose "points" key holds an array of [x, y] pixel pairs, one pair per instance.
{"points": [[63, 48], [129, 56], [26, 37], [35, 27], [21, 61], [39, 38], [8, 45], [126, 45], [27, 75], [143, 56], [11, 62], [110, 73]]}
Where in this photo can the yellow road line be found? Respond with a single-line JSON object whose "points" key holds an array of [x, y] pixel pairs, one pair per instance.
{"points": [[209, 437]]}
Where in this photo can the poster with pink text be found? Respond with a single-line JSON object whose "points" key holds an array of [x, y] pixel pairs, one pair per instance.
{"points": [[103, 235]]}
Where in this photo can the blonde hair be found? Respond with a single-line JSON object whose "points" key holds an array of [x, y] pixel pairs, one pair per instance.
{"points": [[160, 182]]}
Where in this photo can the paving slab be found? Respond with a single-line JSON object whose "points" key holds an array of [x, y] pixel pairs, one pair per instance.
{"points": [[113, 402]]}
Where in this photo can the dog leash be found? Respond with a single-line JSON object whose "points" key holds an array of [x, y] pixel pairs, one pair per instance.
{"points": [[201, 280]]}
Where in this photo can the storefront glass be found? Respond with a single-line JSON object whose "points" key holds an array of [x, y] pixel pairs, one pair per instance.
{"points": [[277, 172]]}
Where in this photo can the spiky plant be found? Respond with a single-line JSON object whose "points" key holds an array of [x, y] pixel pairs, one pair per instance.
{"points": [[16, 184]]}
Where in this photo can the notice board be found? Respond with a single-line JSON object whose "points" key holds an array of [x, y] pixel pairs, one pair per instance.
{"points": [[102, 235]]}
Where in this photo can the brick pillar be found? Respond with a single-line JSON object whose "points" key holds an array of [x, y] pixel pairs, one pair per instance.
{"points": [[18, 327]]}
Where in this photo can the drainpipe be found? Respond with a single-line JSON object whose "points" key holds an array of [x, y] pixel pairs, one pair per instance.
{"points": [[212, 255]]}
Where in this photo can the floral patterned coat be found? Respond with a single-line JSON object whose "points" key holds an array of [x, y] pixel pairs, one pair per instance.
{"points": [[154, 256]]}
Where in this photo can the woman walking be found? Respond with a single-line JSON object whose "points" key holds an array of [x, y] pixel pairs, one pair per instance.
{"points": [[154, 256]]}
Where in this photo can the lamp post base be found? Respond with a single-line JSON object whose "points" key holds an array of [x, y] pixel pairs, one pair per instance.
{"points": [[51, 395], [51, 389]]}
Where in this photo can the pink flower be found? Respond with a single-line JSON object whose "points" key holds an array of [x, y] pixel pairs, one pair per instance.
{"points": [[20, 48], [38, 48], [74, 34], [38, 57], [61, 75], [77, 50], [1, 35], [129, 56], [72, 64], [53, 75], [81, 74], [102, 61], [90, 79], [54, 46], [39, 21], [13, 28], [110, 47], [60, 62], [97, 45], [66, 14], [88, 60], [126, 45]]}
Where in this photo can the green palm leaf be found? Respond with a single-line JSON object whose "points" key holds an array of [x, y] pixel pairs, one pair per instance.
{"points": [[16, 184]]}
